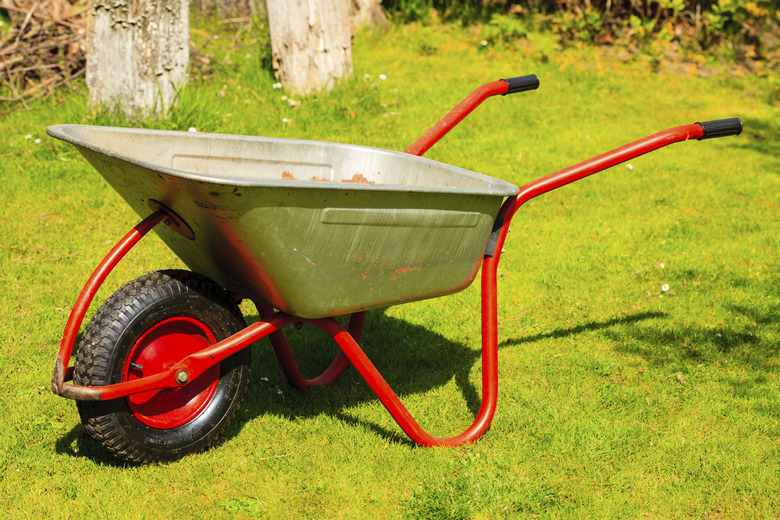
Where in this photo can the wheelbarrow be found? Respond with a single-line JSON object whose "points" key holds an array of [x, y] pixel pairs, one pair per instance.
{"points": [[308, 231]]}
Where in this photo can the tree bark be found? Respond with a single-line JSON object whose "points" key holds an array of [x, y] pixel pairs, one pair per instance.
{"points": [[137, 55], [311, 43]]}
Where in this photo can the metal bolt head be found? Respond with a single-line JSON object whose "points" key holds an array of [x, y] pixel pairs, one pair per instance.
{"points": [[182, 376]]}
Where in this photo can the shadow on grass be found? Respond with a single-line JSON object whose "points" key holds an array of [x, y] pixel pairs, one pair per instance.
{"points": [[761, 135], [77, 444], [749, 338], [411, 358], [585, 327]]}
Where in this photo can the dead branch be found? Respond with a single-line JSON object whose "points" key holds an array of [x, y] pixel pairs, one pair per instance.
{"points": [[44, 50]]}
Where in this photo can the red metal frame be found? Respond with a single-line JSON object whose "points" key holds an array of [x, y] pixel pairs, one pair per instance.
{"points": [[456, 115], [271, 322], [290, 366]]}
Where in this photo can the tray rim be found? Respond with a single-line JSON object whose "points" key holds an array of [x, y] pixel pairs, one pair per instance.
{"points": [[63, 133]]}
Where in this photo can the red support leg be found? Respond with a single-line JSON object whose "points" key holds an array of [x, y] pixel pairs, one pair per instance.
{"points": [[391, 401], [290, 366]]}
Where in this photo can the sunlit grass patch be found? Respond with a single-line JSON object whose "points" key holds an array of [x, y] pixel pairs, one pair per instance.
{"points": [[638, 309]]}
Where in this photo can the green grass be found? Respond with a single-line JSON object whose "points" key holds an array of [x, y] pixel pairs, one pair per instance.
{"points": [[617, 399]]}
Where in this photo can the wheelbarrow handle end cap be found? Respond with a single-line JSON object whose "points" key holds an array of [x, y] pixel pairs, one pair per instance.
{"points": [[720, 128], [521, 83]]}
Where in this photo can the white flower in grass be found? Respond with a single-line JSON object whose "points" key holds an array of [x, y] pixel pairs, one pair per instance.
{"points": [[28, 136], [37, 140], [192, 129], [382, 77], [665, 287], [277, 85]]}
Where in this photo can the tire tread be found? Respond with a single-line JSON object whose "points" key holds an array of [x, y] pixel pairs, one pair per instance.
{"points": [[93, 358]]}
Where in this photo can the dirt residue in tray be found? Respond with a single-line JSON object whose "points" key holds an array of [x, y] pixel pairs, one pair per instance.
{"points": [[358, 178]]}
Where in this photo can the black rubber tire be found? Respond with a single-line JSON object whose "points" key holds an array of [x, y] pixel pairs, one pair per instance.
{"points": [[107, 342]]}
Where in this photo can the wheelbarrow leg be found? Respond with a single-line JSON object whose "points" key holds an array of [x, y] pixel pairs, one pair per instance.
{"points": [[533, 189], [290, 366], [390, 400]]}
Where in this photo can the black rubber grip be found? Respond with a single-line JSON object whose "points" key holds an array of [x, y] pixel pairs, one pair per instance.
{"points": [[522, 83], [721, 128]]}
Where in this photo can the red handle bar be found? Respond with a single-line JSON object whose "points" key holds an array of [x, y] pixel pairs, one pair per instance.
{"points": [[464, 108], [705, 130], [601, 162], [606, 160]]}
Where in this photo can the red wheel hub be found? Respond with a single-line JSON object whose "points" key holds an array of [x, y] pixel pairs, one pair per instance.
{"points": [[159, 348]]}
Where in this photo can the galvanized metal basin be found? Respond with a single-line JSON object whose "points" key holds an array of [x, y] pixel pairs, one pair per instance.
{"points": [[311, 228]]}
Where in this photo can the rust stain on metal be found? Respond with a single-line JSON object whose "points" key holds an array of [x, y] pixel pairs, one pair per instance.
{"points": [[358, 178], [58, 377], [287, 176], [79, 393]]}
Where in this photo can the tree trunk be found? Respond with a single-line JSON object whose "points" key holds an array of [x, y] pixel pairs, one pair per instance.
{"points": [[311, 43], [137, 54]]}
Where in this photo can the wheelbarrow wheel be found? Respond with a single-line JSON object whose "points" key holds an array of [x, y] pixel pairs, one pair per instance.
{"points": [[144, 328]]}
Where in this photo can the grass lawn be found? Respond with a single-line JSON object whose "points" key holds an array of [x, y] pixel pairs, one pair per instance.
{"points": [[638, 309]]}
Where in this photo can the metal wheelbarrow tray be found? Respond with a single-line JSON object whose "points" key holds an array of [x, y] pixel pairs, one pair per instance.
{"points": [[307, 231], [311, 228]]}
